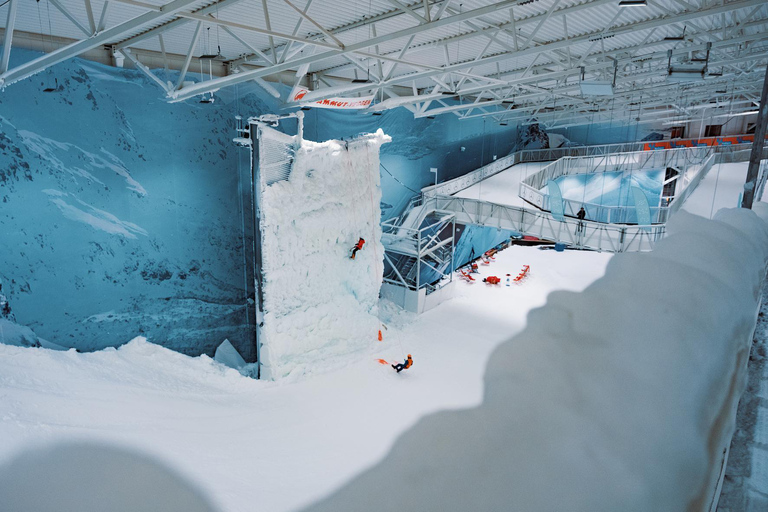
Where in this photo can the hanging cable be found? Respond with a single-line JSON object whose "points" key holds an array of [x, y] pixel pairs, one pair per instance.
{"points": [[397, 180]]}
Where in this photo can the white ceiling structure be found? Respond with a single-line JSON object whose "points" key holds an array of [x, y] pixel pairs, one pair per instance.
{"points": [[513, 60]]}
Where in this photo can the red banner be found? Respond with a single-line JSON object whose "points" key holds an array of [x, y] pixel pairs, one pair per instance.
{"points": [[299, 92]]}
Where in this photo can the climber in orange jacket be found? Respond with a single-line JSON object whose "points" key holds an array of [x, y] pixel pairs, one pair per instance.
{"points": [[357, 247], [403, 366]]}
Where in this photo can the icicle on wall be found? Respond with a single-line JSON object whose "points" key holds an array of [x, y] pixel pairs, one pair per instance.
{"points": [[319, 304]]}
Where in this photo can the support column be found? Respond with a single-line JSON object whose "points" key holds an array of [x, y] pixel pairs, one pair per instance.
{"points": [[757, 147]]}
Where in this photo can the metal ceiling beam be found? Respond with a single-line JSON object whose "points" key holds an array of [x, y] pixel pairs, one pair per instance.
{"points": [[8, 37], [72, 50], [218, 83], [561, 44], [170, 25], [512, 26], [344, 28]]}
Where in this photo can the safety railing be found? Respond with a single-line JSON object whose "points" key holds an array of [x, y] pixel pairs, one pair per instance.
{"points": [[584, 234], [412, 252], [618, 162], [609, 235], [687, 161], [547, 155], [469, 179]]}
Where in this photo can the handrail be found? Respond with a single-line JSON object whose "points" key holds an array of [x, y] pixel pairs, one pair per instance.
{"points": [[585, 234], [599, 236], [544, 155], [688, 161]]}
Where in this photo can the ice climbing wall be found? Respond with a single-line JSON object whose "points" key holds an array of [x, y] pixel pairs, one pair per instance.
{"points": [[318, 304]]}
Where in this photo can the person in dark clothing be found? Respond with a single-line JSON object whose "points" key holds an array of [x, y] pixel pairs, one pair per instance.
{"points": [[403, 366], [357, 247], [580, 215]]}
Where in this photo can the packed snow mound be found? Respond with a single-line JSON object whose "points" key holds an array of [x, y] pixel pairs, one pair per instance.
{"points": [[85, 477], [319, 304], [600, 404]]}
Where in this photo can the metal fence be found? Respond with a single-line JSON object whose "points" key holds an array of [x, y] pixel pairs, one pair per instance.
{"points": [[585, 234], [687, 161], [611, 235], [547, 155], [420, 256]]}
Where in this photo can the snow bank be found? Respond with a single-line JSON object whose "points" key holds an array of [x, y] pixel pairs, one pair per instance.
{"points": [[318, 303], [621, 397], [87, 477]]}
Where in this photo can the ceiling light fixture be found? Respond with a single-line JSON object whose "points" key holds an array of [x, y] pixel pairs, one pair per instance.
{"points": [[738, 114], [633, 3]]}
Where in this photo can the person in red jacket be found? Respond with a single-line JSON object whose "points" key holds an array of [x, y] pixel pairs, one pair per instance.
{"points": [[403, 366], [357, 247], [491, 280]]}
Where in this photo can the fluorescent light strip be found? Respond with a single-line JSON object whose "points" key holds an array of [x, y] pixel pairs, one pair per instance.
{"points": [[738, 114]]}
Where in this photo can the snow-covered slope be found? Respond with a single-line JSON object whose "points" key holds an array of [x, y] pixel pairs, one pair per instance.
{"points": [[622, 397], [276, 446], [318, 303]]}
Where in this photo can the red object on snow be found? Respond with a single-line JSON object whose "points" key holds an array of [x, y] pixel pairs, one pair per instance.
{"points": [[522, 273], [492, 280], [466, 276]]}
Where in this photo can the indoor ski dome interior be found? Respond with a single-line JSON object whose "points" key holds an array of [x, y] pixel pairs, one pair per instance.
{"points": [[394, 255]]}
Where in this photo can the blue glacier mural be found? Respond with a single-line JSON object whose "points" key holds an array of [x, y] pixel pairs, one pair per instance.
{"points": [[124, 215]]}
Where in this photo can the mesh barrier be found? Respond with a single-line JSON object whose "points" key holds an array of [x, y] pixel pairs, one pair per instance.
{"points": [[276, 155]]}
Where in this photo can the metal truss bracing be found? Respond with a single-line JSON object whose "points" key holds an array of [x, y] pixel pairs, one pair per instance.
{"points": [[514, 61]]}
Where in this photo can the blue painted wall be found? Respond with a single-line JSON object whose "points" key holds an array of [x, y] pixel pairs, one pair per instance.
{"points": [[123, 215]]}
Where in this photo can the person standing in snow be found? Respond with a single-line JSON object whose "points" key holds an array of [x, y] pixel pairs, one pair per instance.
{"points": [[357, 247], [580, 215], [403, 366]]}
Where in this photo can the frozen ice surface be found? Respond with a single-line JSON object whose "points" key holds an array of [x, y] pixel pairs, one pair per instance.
{"points": [[319, 304]]}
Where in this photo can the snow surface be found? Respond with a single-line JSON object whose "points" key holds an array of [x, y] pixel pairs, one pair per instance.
{"points": [[87, 477], [318, 303], [257, 445], [720, 188], [619, 398], [504, 187]]}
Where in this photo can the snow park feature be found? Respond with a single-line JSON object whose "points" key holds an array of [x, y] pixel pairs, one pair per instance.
{"points": [[316, 304]]}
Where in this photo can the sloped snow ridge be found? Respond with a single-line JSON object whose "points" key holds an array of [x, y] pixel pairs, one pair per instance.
{"points": [[601, 403], [319, 303]]}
